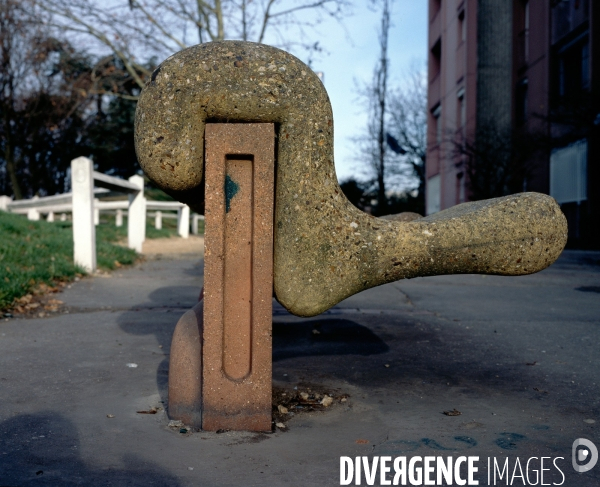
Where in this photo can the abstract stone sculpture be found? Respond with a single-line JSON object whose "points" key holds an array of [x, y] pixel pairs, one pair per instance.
{"points": [[325, 249]]}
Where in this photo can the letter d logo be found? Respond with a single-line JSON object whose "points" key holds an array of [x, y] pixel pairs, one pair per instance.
{"points": [[588, 453]]}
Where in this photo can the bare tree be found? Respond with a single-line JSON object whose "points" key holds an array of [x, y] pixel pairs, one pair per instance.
{"points": [[393, 148], [44, 87], [137, 29], [407, 136], [24, 54], [498, 162], [379, 109], [17, 35], [372, 145]]}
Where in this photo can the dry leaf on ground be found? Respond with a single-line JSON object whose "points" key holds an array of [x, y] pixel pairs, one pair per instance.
{"points": [[454, 412]]}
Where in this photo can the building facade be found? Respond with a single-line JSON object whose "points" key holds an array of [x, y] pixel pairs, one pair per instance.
{"points": [[514, 105]]}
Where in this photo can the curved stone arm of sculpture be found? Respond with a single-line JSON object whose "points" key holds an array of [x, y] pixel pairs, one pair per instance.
{"points": [[325, 249]]}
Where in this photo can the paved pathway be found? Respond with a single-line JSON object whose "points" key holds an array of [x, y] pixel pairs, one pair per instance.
{"points": [[516, 356]]}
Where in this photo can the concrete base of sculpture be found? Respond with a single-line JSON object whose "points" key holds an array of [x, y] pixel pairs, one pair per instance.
{"points": [[185, 368], [186, 402]]}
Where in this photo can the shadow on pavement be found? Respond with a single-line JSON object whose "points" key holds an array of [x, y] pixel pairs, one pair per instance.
{"points": [[372, 351], [167, 305], [325, 337], [43, 449], [197, 270], [172, 297]]}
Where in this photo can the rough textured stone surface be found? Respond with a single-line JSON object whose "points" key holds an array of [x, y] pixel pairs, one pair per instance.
{"points": [[185, 369], [405, 216], [238, 277], [325, 249]]}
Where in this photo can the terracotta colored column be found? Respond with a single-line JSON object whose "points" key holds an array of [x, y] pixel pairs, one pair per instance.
{"points": [[185, 368], [238, 277]]}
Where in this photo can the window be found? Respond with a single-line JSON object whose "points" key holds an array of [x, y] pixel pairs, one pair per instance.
{"points": [[568, 15], [437, 117], [568, 173], [585, 66], [521, 101], [462, 27], [461, 110], [460, 188], [433, 190], [574, 68], [522, 27], [436, 5], [436, 59]]}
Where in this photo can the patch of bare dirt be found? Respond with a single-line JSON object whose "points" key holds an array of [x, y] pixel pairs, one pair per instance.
{"points": [[174, 247]]}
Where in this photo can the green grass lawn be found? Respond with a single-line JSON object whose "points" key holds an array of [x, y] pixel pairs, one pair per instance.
{"points": [[109, 232], [33, 252]]}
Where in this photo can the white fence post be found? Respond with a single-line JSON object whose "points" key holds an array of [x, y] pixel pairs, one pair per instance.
{"points": [[96, 212], [183, 221], [136, 216], [63, 217], [119, 218], [158, 220], [50, 217], [4, 201], [84, 231], [33, 214], [195, 224], [195, 218]]}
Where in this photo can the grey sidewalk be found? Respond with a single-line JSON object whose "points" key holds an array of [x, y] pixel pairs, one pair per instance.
{"points": [[516, 356]]}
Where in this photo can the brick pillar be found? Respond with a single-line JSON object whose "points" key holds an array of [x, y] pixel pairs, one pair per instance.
{"points": [[220, 369], [238, 276]]}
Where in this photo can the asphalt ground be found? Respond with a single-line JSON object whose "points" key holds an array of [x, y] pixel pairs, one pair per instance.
{"points": [[513, 360]]}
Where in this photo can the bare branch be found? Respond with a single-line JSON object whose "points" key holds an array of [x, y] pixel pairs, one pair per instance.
{"points": [[265, 22], [309, 6], [153, 21], [127, 61]]}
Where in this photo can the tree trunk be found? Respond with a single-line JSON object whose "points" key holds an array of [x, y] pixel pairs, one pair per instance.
{"points": [[381, 94], [494, 84], [11, 169], [9, 155]]}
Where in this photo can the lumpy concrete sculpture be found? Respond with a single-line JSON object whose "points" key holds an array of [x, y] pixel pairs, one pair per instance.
{"points": [[325, 249], [312, 247]]}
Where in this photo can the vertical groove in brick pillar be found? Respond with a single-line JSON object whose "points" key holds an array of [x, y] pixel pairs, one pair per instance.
{"points": [[237, 292], [238, 277]]}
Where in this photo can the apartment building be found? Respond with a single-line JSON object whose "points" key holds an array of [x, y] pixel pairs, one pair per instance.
{"points": [[527, 71]]}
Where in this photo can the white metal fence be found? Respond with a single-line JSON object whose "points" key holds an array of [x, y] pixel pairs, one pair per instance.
{"points": [[85, 206]]}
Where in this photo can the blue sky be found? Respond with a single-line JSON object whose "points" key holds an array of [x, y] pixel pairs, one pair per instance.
{"points": [[352, 56]]}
